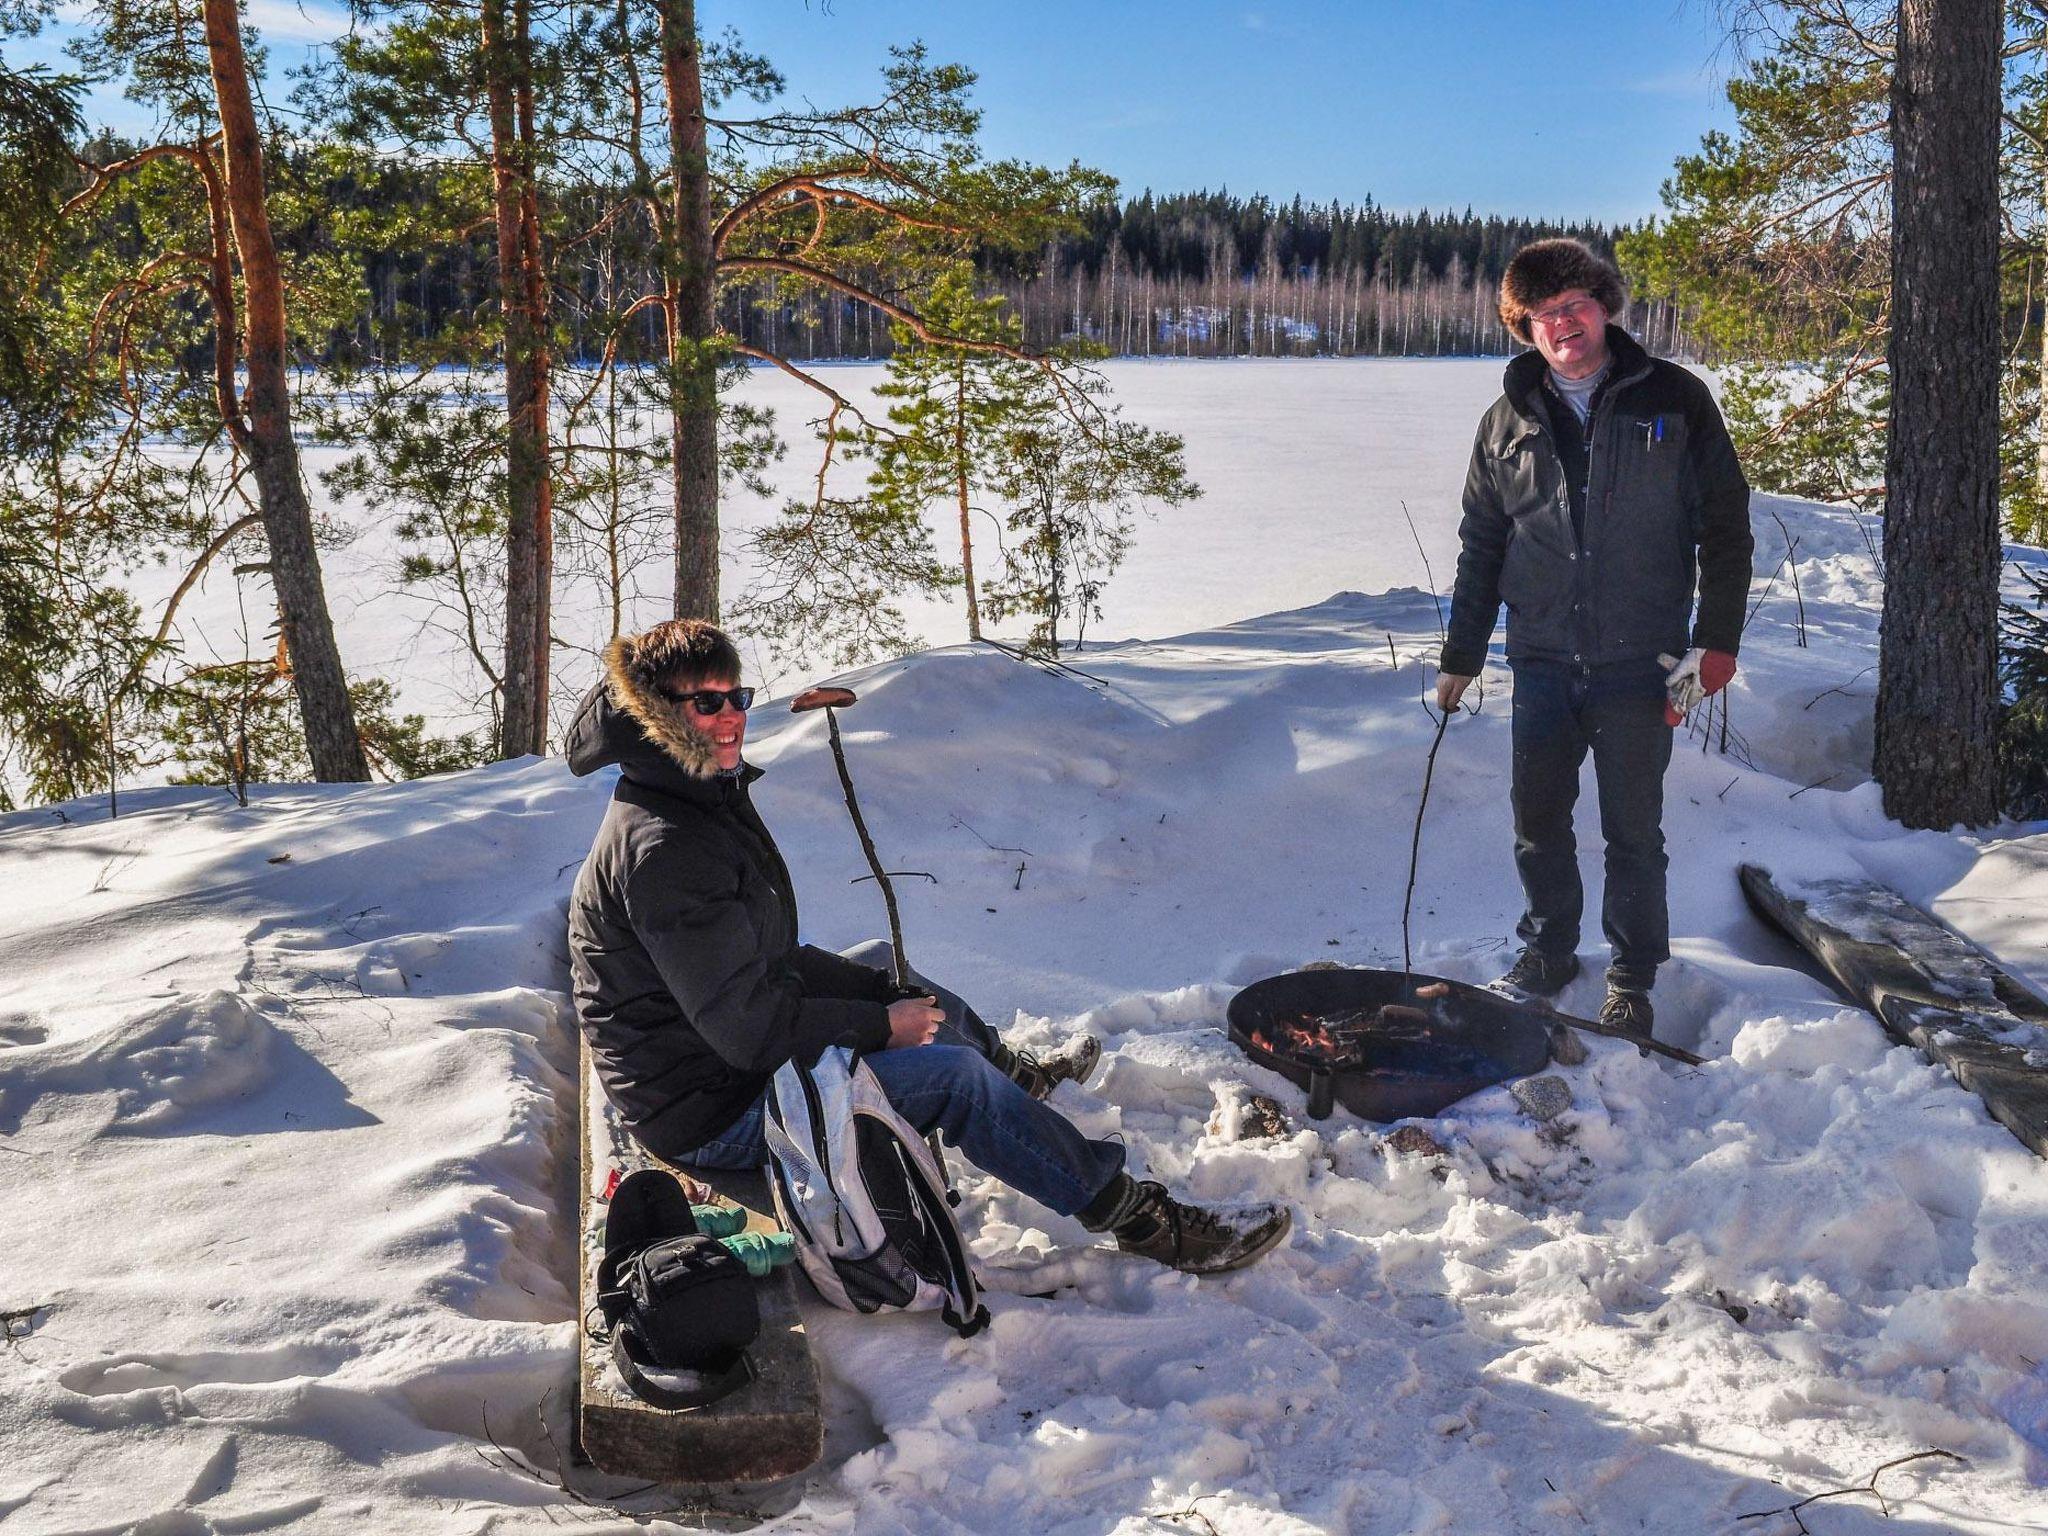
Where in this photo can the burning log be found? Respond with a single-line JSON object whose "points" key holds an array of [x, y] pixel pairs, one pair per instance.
{"points": [[1346, 1038]]}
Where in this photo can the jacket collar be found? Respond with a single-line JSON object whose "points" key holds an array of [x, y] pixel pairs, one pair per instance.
{"points": [[1523, 379]]}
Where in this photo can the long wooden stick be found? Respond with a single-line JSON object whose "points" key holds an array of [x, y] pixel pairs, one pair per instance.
{"points": [[1415, 853], [867, 846], [1610, 1032]]}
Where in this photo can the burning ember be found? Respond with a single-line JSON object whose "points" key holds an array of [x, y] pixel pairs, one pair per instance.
{"points": [[1336, 1036], [1339, 1039]]}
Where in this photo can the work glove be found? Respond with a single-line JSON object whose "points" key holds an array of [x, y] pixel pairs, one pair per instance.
{"points": [[1687, 682]]}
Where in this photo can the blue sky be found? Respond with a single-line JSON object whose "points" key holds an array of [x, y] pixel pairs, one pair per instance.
{"points": [[1566, 109]]}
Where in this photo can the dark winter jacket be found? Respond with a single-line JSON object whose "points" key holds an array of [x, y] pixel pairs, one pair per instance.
{"points": [[1664, 509], [690, 983]]}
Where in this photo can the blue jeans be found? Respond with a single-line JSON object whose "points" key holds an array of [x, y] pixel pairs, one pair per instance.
{"points": [[950, 1086], [1561, 712]]}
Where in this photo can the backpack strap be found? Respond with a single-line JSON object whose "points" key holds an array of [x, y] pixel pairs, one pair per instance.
{"points": [[625, 1355]]}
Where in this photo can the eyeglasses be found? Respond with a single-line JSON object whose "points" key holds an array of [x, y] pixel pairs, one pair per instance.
{"points": [[710, 702], [1558, 314]]}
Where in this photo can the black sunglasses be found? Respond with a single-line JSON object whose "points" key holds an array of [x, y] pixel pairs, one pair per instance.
{"points": [[709, 702]]}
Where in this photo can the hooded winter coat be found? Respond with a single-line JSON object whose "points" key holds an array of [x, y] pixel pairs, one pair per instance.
{"points": [[1605, 571], [690, 984]]}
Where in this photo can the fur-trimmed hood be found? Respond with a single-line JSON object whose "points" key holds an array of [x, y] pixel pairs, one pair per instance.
{"points": [[624, 719]]}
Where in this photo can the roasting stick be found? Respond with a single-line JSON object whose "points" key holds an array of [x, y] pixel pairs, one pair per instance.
{"points": [[1415, 854], [832, 700]]}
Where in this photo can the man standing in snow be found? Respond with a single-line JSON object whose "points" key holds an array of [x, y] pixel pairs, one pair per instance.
{"points": [[693, 988], [1603, 494]]}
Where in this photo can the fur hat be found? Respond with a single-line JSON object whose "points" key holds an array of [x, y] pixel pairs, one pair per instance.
{"points": [[1543, 269], [638, 667]]}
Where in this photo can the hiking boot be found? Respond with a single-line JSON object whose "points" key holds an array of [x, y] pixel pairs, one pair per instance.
{"points": [[1073, 1062], [1536, 974], [1627, 1009], [1193, 1239]]}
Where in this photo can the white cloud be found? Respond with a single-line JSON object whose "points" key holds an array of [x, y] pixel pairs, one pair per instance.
{"points": [[297, 21]]}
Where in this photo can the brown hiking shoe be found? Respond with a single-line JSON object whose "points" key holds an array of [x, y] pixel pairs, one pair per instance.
{"points": [[1535, 974], [1073, 1062], [1627, 1009], [1191, 1238]]}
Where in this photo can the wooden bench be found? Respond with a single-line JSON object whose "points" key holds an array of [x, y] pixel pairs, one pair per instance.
{"points": [[771, 1428], [1929, 987]]}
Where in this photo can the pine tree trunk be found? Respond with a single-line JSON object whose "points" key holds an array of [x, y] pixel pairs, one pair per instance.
{"points": [[960, 487], [1937, 697], [2041, 425], [693, 321], [317, 676], [529, 512]]}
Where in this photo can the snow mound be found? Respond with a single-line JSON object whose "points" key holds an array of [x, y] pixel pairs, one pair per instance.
{"points": [[151, 1072], [1850, 1041]]}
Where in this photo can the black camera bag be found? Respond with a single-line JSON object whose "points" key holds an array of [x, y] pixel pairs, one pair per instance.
{"points": [[673, 1299]]}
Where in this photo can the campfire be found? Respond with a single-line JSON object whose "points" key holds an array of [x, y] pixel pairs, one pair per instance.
{"points": [[1342, 1038], [1382, 1043]]}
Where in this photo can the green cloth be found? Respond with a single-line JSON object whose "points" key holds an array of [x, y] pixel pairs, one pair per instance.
{"points": [[719, 1220], [761, 1251]]}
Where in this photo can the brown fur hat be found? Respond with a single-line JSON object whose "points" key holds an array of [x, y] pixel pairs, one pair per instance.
{"points": [[670, 655], [1543, 269]]}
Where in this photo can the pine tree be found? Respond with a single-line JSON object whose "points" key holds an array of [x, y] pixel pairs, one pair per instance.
{"points": [[1937, 695], [951, 413]]}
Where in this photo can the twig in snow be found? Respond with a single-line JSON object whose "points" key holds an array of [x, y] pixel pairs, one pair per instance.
{"points": [[1050, 663], [1426, 571], [1792, 560], [17, 1324], [1761, 596], [922, 874], [997, 847], [1816, 784], [348, 924], [1841, 688], [1190, 1513], [1728, 786], [1868, 1486]]}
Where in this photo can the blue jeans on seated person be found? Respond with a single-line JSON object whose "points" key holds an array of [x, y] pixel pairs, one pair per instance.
{"points": [[950, 1086]]}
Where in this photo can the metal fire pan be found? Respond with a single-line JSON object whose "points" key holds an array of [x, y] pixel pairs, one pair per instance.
{"points": [[1477, 1038]]}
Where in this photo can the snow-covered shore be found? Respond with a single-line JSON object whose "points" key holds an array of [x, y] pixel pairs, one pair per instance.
{"points": [[285, 1131]]}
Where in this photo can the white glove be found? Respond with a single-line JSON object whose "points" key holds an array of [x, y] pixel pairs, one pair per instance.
{"points": [[1682, 681]]}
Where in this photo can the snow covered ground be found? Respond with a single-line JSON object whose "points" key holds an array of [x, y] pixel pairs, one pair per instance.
{"points": [[286, 1121]]}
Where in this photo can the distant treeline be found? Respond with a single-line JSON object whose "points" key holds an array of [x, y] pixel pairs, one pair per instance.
{"points": [[1204, 274]]}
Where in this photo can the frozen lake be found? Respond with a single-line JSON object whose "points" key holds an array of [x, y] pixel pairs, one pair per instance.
{"points": [[1304, 463]]}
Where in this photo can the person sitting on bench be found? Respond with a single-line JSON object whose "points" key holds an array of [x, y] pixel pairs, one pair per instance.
{"points": [[692, 986]]}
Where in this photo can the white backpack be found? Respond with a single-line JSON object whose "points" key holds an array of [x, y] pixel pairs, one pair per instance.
{"points": [[863, 1196]]}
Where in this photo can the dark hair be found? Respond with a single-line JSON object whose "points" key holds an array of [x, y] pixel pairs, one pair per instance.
{"points": [[679, 651]]}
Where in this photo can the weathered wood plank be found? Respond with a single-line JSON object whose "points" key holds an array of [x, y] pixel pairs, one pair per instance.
{"points": [[771, 1428], [1929, 987]]}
